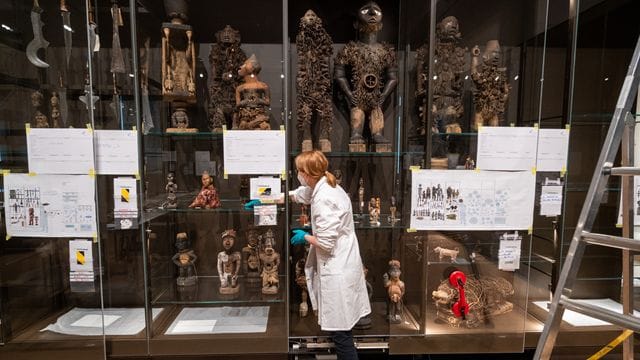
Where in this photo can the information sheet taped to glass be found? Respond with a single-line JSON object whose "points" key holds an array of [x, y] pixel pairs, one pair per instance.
{"points": [[507, 148], [254, 152], [60, 151], [472, 200], [553, 149], [117, 152], [50, 205]]}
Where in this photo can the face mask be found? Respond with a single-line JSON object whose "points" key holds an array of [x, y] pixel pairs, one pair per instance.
{"points": [[303, 182]]}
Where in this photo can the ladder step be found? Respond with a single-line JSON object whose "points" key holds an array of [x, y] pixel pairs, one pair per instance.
{"points": [[624, 171], [611, 241], [600, 313]]}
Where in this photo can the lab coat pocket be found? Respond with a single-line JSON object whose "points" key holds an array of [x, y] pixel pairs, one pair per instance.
{"points": [[331, 300]]}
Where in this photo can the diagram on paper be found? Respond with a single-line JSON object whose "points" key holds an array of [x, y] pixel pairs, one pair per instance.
{"points": [[471, 200], [49, 205]]}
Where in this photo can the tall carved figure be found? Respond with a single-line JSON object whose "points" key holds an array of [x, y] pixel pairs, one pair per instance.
{"points": [[313, 81], [492, 88], [366, 72], [178, 59], [253, 98], [229, 264], [448, 68], [395, 290], [225, 58]]}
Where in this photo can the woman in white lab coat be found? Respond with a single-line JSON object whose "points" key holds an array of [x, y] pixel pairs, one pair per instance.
{"points": [[334, 272]]}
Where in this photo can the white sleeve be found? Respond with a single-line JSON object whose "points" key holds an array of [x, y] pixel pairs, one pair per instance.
{"points": [[301, 195], [327, 223]]}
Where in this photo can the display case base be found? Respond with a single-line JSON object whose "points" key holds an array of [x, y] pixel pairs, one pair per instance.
{"points": [[357, 147], [382, 147], [325, 145], [307, 145]]}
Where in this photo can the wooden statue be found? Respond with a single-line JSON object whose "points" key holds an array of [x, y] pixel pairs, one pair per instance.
{"points": [[366, 71], [225, 58], [491, 90], [229, 264], [185, 259], [208, 196], [270, 260], [447, 81], [253, 98], [55, 110], [171, 188], [251, 258], [395, 290], [313, 81], [39, 118]]}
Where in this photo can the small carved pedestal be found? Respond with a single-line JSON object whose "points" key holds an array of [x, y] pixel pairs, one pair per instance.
{"points": [[382, 147], [357, 147], [325, 145]]}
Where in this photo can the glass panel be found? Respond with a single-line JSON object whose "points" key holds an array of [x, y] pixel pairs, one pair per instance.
{"points": [[468, 66], [47, 308], [194, 55]]}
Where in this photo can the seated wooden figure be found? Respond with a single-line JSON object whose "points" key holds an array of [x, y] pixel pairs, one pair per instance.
{"points": [[208, 196]]}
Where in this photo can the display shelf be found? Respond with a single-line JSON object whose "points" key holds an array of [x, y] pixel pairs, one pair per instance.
{"points": [[206, 292], [153, 208], [293, 154], [361, 222], [187, 135]]}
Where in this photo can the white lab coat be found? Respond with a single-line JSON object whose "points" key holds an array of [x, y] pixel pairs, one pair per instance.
{"points": [[335, 278]]}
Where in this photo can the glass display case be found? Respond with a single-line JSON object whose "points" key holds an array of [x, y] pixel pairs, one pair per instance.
{"points": [[172, 256]]}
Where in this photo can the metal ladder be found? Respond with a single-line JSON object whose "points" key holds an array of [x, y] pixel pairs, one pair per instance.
{"points": [[622, 123]]}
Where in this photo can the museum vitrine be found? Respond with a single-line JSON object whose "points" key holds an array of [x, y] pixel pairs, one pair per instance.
{"points": [[130, 207]]}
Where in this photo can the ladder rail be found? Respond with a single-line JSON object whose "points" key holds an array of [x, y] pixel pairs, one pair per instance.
{"points": [[590, 207]]}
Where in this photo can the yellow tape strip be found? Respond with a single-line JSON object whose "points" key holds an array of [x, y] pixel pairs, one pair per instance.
{"points": [[92, 173], [282, 128], [137, 175], [535, 126], [283, 175], [568, 127], [530, 230], [95, 238], [6, 172], [411, 230], [224, 130], [226, 176], [480, 126], [134, 128], [32, 174], [8, 237], [90, 128], [414, 167], [512, 124], [27, 128], [563, 171], [534, 170], [610, 346], [477, 169]]}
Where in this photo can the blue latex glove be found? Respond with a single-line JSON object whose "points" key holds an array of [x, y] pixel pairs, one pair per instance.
{"points": [[249, 205], [298, 237]]}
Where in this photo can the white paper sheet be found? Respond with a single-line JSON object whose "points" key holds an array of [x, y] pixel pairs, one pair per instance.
{"points": [[194, 327], [507, 148], [265, 188], [117, 152], [60, 151], [265, 215], [125, 198], [551, 200], [95, 320], [553, 149], [254, 152], [472, 200], [509, 252], [50, 205]]}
